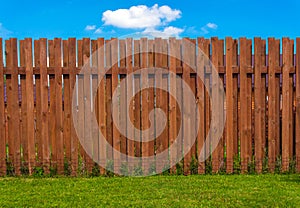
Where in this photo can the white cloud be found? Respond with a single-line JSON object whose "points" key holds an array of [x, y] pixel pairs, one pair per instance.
{"points": [[209, 26], [212, 25], [90, 27], [165, 33], [98, 31], [4, 33], [140, 17]]}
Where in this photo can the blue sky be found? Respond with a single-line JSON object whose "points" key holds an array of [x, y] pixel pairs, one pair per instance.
{"points": [[92, 18]]}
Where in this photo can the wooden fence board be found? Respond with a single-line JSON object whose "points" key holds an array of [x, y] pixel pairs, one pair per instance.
{"points": [[264, 95], [30, 105], [52, 121], [158, 100], [58, 106], [193, 79], [235, 93], [229, 106], [37, 112], [44, 106], [130, 105], [245, 102], [73, 117], [203, 51], [95, 107], [217, 60], [80, 97], [287, 53], [145, 103], [172, 103], [116, 109], [273, 102], [109, 133], [101, 103], [258, 103], [186, 47], [23, 130], [178, 99], [2, 116], [297, 120], [37, 101], [13, 106], [151, 103], [123, 97], [86, 54], [66, 105], [165, 101], [137, 99], [221, 101]]}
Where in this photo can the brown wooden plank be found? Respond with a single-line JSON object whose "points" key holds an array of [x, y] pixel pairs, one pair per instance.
{"points": [[151, 106], [123, 97], [73, 117], [273, 138], [13, 105], [158, 84], [287, 53], [203, 51], [137, 99], [216, 153], [151, 98], [291, 109], [235, 100], [2, 117], [186, 47], [45, 145], [193, 79], [95, 105], [23, 132], [278, 102], [37, 112], [30, 104], [115, 83], [52, 119], [145, 104], [229, 106], [66, 105], [221, 101], [179, 101], [207, 80], [193, 126], [165, 108], [172, 103], [258, 104], [245, 102], [58, 106], [151, 53], [80, 114], [130, 105], [179, 117], [297, 119], [109, 132], [101, 103], [87, 105], [264, 99], [165, 101]]}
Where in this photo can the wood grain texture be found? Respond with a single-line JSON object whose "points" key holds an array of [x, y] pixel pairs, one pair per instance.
{"points": [[2, 116]]}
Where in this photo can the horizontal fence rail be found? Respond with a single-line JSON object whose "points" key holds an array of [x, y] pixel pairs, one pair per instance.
{"points": [[39, 79]]}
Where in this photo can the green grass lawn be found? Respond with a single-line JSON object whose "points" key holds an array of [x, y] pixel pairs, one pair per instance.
{"points": [[155, 191]]}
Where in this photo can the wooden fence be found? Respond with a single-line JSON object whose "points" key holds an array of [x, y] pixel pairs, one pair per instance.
{"points": [[262, 84]]}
